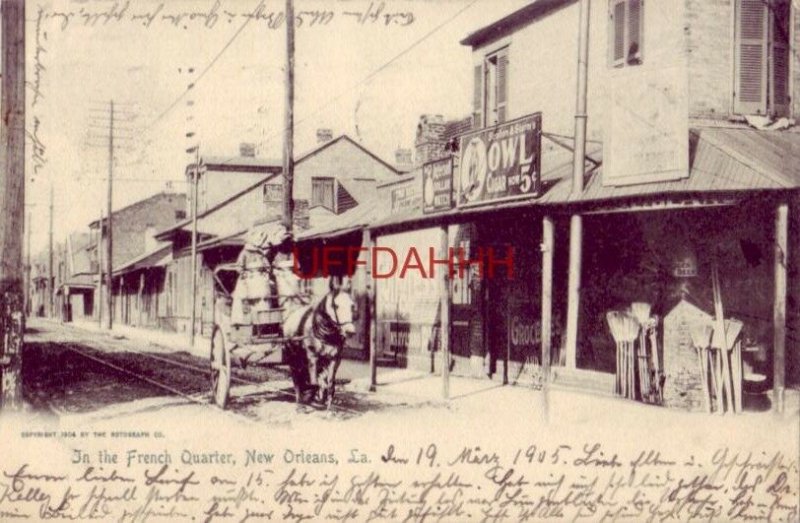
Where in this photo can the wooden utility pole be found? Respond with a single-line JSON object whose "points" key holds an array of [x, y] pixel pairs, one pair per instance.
{"points": [[288, 140], [50, 276], [368, 241], [110, 218], [548, 241], [12, 201], [444, 311], [100, 270], [195, 179], [28, 268], [779, 308]]}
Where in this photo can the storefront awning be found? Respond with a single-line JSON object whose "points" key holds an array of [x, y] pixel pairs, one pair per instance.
{"points": [[353, 220], [722, 161], [156, 258], [80, 281]]}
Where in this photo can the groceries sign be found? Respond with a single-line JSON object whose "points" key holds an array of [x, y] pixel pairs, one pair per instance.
{"points": [[524, 334], [501, 162]]}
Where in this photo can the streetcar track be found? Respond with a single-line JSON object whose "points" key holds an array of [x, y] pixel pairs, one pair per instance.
{"points": [[119, 343], [200, 399]]}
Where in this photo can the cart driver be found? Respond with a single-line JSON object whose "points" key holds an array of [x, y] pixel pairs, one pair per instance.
{"points": [[257, 286]]}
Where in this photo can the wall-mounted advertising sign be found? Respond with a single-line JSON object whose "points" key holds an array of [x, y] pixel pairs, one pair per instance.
{"points": [[501, 162], [404, 199], [646, 131], [437, 185]]}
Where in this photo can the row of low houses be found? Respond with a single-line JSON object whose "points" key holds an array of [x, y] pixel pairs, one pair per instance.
{"points": [[692, 167]]}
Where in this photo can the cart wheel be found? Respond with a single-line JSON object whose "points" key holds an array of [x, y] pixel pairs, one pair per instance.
{"points": [[220, 370]]}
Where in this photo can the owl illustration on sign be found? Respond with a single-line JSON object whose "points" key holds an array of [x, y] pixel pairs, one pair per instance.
{"points": [[473, 169]]}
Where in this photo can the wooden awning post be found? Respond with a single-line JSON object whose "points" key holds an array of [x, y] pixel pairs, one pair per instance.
{"points": [[573, 303], [140, 298], [444, 311], [779, 310], [368, 242], [547, 309]]}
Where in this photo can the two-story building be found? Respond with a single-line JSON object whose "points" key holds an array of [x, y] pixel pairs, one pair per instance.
{"points": [[133, 236], [331, 180], [691, 167], [76, 293]]}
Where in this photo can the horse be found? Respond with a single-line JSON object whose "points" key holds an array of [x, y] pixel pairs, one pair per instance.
{"points": [[316, 334]]}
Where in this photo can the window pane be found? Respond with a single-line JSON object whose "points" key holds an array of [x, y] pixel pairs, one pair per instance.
{"points": [[322, 192], [491, 90]]}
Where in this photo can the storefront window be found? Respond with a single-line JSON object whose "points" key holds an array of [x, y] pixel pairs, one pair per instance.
{"points": [[662, 258]]}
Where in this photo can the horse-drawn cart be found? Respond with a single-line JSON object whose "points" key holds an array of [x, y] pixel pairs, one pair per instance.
{"points": [[252, 336], [261, 317]]}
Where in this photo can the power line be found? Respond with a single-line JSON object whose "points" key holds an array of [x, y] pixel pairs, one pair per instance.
{"points": [[202, 73], [373, 74], [118, 179]]}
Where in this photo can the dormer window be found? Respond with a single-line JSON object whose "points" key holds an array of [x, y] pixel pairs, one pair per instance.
{"points": [[322, 192], [625, 32]]}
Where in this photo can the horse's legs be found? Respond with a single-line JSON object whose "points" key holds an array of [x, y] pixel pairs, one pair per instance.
{"points": [[297, 367], [333, 366], [328, 376], [312, 366]]}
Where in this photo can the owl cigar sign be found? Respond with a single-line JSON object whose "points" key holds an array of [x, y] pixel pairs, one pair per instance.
{"points": [[501, 163]]}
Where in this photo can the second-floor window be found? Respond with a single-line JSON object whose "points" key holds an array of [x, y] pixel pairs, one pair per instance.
{"points": [[322, 192], [625, 32], [273, 192], [762, 57], [490, 103]]}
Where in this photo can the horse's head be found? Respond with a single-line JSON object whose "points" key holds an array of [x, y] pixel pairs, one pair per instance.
{"points": [[341, 306]]}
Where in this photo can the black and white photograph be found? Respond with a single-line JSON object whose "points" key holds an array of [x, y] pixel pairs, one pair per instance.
{"points": [[405, 261]]}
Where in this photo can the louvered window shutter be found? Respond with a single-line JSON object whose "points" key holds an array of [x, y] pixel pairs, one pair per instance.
{"points": [[502, 86], [779, 83], [618, 33], [751, 57], [477, 100], [633, 55]]}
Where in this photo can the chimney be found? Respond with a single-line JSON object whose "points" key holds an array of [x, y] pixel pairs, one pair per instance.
{"points": [[430, 142], [403, 157], [247, 150], [324, 136]]}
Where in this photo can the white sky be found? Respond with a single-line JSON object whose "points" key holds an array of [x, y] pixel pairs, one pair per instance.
{"points": [[240, 98]]}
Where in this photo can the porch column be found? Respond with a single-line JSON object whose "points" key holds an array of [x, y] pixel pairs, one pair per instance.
{"points": [[140, 298], [444, 311], [65, 304], [372, 320], [547, 308], [574, 290], [779, 311], [123, 302]]}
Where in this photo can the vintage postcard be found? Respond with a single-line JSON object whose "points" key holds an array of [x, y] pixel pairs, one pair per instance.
{"points": [[400, 260]]}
